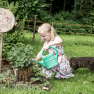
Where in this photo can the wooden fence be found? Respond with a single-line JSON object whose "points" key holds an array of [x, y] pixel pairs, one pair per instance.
{"points": [[35, 24]]}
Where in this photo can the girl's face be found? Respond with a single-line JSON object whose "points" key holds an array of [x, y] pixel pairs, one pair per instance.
{"points": [[46, 36]]}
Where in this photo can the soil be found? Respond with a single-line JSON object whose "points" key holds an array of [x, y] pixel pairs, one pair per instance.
{"points": [[6, 66]]}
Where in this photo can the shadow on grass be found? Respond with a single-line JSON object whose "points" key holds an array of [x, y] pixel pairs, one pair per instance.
{"points": [[82, 71]]}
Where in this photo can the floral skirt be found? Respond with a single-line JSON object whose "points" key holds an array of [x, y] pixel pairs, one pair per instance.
{"points": [[62, 70]]}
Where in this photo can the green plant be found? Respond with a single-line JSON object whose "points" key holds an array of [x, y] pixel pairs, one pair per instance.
{"points": [[12, 6], [6, 49], [39, 76], [2, 77], [31, 7], [9, 40], [13, 38], [5, 75], [20, 55]]}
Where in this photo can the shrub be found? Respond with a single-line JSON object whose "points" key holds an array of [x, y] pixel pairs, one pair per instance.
{"points": [[13, 38], [20, 55], [9, 40], [6, 49]]}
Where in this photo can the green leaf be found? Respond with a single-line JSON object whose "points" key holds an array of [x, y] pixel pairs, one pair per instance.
{"points": [[32, 8], [36, 2], [12, 76], [37, 78], [6, 73], [34, 69], [46, 83], [2, 77], [34, 79]]}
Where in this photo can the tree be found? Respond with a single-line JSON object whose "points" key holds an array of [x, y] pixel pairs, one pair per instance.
{"points": [[64, 5], [31, 7], [50, 8], [83, 7], [11, 7]]}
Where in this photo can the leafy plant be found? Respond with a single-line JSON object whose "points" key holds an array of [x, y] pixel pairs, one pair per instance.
{"points": [[6, 49], [6, 73], [2, 77], [12, 76], [9, 40], [31, 7], [12, 7], [13, 38], [20, 55], [39, 76]]}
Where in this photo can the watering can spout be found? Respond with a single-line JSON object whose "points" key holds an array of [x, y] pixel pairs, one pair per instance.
{"points": [[42, 63]]}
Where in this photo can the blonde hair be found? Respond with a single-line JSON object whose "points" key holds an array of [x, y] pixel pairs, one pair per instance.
{"points": [[45, 28]]}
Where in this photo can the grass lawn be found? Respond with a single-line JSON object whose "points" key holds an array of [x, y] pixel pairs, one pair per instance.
{"points": [[81, 83]]}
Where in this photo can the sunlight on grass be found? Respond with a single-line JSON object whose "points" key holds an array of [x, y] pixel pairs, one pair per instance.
{"points": [[78, 46]]}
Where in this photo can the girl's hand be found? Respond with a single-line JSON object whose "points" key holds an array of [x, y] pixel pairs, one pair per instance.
{"points": [[46, 47]]}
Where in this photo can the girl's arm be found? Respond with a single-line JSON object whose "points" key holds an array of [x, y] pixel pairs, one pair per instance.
{"points": [[57, 41], [40, 53]]}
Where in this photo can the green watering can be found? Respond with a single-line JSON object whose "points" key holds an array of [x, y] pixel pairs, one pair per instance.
{"points": [[50, 60]]}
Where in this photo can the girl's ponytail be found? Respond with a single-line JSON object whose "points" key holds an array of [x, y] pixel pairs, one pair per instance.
{"points": [[53, 33]]}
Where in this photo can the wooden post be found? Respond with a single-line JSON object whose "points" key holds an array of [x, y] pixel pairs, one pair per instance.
{"points": [[28, 26], [7, 21], [34, 29], [1, 43]]}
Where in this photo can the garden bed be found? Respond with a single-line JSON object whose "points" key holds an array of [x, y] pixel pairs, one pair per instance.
{"points": [[8, 78]]}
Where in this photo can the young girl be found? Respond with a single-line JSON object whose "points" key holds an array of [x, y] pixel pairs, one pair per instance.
{"points": [[49, 35]]}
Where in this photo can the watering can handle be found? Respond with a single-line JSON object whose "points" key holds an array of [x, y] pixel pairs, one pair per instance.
{"points": [[54, 49]]}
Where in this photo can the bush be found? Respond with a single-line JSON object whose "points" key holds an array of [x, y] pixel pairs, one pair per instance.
{"points": [[20, 55], [9, 40], [13, 37], [6, 49]]}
